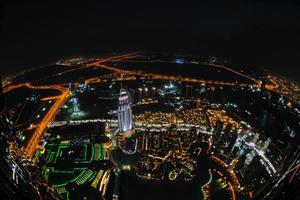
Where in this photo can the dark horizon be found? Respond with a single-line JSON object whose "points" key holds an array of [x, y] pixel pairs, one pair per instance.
{"points": [[254, 33], [165, 99]]}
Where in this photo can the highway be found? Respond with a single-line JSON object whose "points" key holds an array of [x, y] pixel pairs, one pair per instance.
{"points": [[165, 77], [59, 101], [48, 118], [42, 126]]}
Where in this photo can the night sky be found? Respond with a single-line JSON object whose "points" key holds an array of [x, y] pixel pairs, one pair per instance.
{"points": [[256, 33]]}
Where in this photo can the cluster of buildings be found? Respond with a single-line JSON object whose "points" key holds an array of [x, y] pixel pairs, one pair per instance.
{"points": [[168, 154], [165, 148], [19, 177], [163, 144], [191, 116]]}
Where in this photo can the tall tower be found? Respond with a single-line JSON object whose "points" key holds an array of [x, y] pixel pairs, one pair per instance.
{"points": [[76, 106], [124, 112]]}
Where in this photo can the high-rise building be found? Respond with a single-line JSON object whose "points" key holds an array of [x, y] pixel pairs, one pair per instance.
{"points": [[249, 157], [76, 106], [266, 144], [124, 111], [256, 137]]}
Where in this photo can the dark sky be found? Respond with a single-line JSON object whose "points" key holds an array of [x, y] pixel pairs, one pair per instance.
{"points": [[259, 33]]}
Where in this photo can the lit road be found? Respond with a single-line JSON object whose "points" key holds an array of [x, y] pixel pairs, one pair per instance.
{"points": [[88, 65], [165, 77], [41, 127], [59, 101], [49, 117], [257, 82], [230, 173]]}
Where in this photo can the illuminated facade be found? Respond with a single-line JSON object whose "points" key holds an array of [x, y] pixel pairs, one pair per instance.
{"points": [[124, 112], [76, 106]]}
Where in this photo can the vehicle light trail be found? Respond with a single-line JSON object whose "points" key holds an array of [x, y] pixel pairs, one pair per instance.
{"points": [[165, 77], [59, 99], [42, 126], [262, 155]]}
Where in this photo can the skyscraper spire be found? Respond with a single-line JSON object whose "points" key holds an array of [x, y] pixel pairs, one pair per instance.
{"points": [[124, 111]]}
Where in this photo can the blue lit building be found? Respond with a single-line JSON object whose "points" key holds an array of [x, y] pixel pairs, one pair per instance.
{"points": [[76, 106], [124, 111]]}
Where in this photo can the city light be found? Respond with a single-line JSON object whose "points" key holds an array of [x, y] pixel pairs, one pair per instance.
{"points": [[125, 118]]}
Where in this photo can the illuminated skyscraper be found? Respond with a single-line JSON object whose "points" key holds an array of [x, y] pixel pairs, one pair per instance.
{"points": [[124, 112], [76, 106], [266, 144]]}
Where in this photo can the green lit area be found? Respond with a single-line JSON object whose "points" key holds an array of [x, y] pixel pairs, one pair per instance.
{"points": [[66, 164]]}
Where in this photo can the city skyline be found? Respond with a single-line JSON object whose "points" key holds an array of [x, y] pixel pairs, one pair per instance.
{"points": [[257, 34], [150, 100]]}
